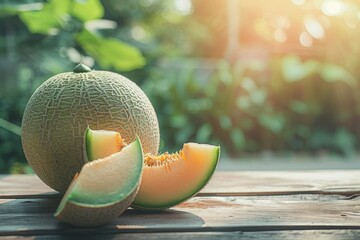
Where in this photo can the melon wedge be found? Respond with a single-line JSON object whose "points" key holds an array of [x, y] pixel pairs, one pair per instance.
{"points": [[103, 189], [167, 179], [170, 179]]}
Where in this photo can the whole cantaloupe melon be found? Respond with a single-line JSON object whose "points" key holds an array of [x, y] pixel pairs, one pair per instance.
{"points": [[61, 109]]}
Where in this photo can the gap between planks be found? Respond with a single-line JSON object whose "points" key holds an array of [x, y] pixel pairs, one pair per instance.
{"points": [[350, 194], [269, 235], [225, 229]]}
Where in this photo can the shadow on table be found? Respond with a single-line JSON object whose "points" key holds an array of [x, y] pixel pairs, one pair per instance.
{"points": [[34, 217], [166, 218]]}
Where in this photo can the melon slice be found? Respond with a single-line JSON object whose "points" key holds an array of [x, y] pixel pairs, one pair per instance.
{"points": [[167, 179], [170, 179], [103, 189]]}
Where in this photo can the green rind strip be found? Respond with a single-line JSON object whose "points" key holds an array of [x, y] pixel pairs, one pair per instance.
{"points": [[88, 142], [65, 198], [193, 192]]}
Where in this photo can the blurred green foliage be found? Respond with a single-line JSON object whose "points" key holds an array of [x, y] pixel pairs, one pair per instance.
{"points": [[243, 109], [258, 99]]}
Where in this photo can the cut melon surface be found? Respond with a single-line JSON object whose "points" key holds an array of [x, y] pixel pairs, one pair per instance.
{"points": [[101, 143], [103, 189], [170, 179], [167, 179]]}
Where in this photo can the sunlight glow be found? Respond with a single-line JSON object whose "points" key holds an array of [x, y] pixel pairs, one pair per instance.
{"points": [[298, 2], [281, 22], [351, 21], [138, 33], [280, 36], [305, 39], [183, 6], [313, 27], [333, 7]]}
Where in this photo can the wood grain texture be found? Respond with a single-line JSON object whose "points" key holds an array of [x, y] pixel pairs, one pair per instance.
{"points": [[236, 235], [284, 182], [22, 186], [200, 214], [234, 205], [224, 184]]}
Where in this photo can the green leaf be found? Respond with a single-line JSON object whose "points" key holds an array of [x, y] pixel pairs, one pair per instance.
{"points": [[224, 72], [238, 138], [299, 107], [179, 121], [273, 122], [345, 140], [48, 19], [331, 73], [110, 52], [243, 102], [10, 126], [258, 97], [39, 22], [13, 9], [20, 168], [184, 135], [294, 70], [87, 9], [204, 133], [248, 84], [257, 65], [225, 122]]}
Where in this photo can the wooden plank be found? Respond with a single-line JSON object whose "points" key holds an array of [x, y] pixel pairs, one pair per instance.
{"points": [[200, 214], [17, 186], [270, 235], [344, 182], [284, 182]]}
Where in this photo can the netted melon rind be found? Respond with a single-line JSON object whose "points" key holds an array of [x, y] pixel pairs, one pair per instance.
{"points": [[61, 109]]}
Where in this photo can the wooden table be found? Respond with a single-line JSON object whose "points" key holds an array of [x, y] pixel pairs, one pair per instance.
{"points": [[234, 205]]}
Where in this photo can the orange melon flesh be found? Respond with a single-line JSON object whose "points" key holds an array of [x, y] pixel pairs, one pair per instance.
{"points": [[102, 143], [103, 189], [168, 179], [176, 177]]}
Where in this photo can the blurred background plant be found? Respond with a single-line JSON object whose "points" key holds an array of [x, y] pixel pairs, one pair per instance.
{"points": [[252, 76]]}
